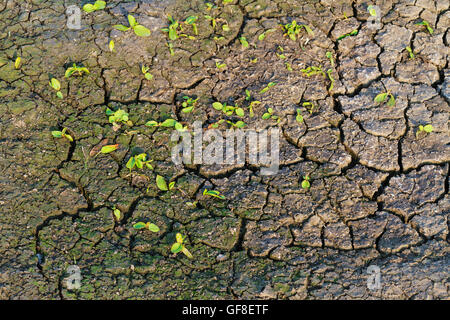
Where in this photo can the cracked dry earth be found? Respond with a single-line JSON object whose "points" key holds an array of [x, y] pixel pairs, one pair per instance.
{"points": [[378, 196]]}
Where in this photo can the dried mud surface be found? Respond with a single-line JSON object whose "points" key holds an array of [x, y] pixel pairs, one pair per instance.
{"points": [[378, 196]]}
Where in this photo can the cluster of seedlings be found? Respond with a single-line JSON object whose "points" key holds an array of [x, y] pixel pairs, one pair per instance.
{"points": [[188, 28]]}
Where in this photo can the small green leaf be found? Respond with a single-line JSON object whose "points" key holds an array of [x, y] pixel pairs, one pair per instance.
{"points": [[131, 162], [151, 123], [117, 214], [57, 134], [176, 247], [59, 95], [152, 227], [139, 225], [121, 27], [305, 184], [217, 106], [187, 109], [99, 5], [168, 123], [266, 116], [391, 101], [148, 76], [428, 128], [141, 31], [240, 124], [132, 21], [109, 148], [239, 112], [171, 185], [381, 97], [55, 84], [17, 62], [89, 8], [161, 183], [111, 46]]}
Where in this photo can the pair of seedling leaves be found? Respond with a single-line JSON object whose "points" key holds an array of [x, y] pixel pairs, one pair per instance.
{"points": [[178, 246], [385, 96], [62, 134], [168, 123], [56, 85], [138, 29], [293, 29], [229, 110], [176, 26], [98, 5], [428, 128], [188, 104]]}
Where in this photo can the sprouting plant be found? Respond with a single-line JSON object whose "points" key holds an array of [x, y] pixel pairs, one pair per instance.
{"points": [[188, 104], [427, 25], [139, 161], [293, 29], [213, 193], [263, 35], [191, 20], [162, 185], [150, 226], [62, 134], [168, 123], [428, 128], [239, 124], [228, 110], [98, 5], [108, 148], [372, 10], [330, 57], [309, 106], [288, 66], [251, 106], [216, 124], [56, 85], [411, 53], [244, 42], [353, 33], [76, 70], [299, 116], [213, 21], [147, 75], [305, 183], [17, 63], [329, 71], [179, 246], [111, 46], [117, 213], [226, 27], [280, 53], [383, 97], [267, 87], [138, 29], [173, 28], [220, 65], [269, 115], [117, 117], [311, 71]]}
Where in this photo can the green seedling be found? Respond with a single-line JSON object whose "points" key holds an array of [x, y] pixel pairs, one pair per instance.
{"points": [[228, 110], [383, 97], [329, 71], [62, 134], [220, 65], [280, 53], [311, 71], [411, 53], [350, 34], [56, 85], [138, 29], [191, 20], [213, 193], [216, 124], [118, 117], [299, 116], [117, 213], [305, 183], [263, 35], [428, 128], [244, 42], [213, 21], [269, 115], [330, 57], [309, 107], [179, 246], [172, 30], [427, 25], [267, 87], [288, 66], [226, 28], [372, 10], [139, 161], [17, 63], [239, 124], [111, 46], [168, 123], [76, 70], [98, 5], [210, 6], [150, 226], [251, 106], [188, 104], [162, 185], [147, 75], [293, 30]]}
